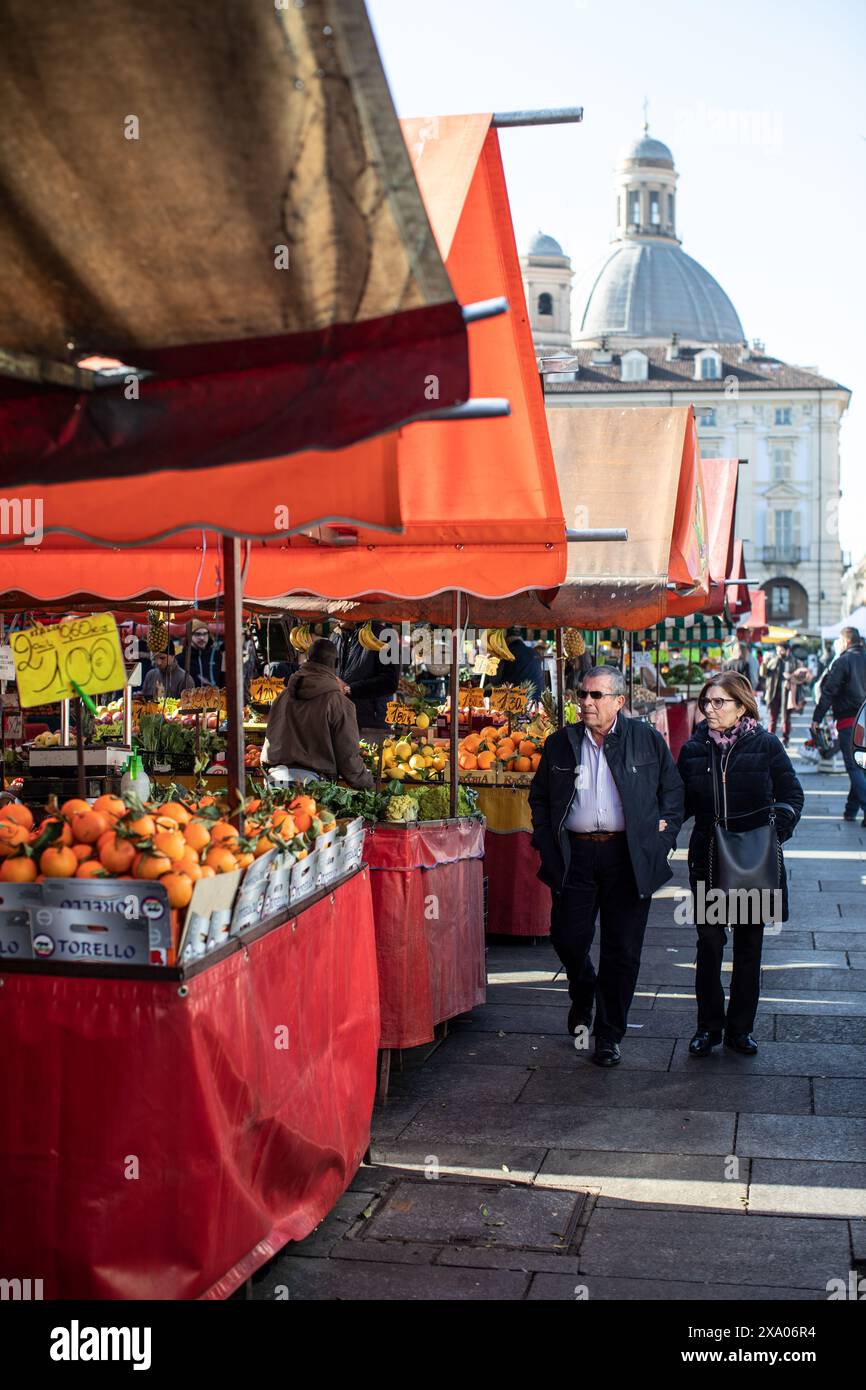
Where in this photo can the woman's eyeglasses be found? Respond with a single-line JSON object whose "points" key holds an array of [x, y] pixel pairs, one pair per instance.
{"points": [[717, 703]]}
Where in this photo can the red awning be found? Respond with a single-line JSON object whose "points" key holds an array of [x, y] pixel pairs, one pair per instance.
{"points": [[221, 198]]}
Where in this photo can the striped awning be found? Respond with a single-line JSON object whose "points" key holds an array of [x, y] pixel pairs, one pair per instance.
{"points": [[697, 627]]}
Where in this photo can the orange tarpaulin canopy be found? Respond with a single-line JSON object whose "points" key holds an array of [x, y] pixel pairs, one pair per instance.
{"points": [[218, 198], [478, 500], [720, 493]]}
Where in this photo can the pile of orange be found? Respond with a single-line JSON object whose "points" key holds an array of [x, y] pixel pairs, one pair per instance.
{"points": [[494, 749], [175, 843]]}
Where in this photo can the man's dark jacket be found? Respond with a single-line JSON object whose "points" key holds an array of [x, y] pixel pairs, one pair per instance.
{"points": [[649, 787], [844, 687], [371, 681], [759, 774]]}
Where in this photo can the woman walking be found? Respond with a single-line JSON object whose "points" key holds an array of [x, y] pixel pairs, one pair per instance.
{"points": [[732, 762]]}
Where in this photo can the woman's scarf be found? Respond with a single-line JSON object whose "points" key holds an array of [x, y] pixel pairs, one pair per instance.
{"points": [[728, 737]]}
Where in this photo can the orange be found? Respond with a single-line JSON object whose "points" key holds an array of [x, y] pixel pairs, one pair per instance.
{"points": [[18, 870], [153, 866], [279, 815], [535, 760], [506, 750], [196, 834], [69, 808], [22, 814], [179, 889], [57, 862], [170, 843], [471, 742], [144, 828], [220, 859], [289, 828], [489, 734], [115, 854], [526, 748], [522, 765], [303, 820], [263, 844], [222, 832], [468, 761], [245, 859], [303, 803], [12, 835], [253, 806], [176, 810], [91, 868], [207, 871], [82, 852], [191, 867], [65, 836], [486, 760], [110, 806], [87, 826]]}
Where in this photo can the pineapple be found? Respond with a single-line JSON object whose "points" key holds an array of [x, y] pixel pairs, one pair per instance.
{"points": [[157, 632], [573, 643]]}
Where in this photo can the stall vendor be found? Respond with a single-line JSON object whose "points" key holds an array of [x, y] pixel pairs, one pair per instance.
{"points": [[313, 728], [166, 680]]}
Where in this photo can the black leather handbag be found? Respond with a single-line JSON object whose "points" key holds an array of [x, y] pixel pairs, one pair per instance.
{"points": [[743, 858]]}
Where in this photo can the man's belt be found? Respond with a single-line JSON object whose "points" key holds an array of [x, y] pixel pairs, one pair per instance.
{"points": [[597, 834]]}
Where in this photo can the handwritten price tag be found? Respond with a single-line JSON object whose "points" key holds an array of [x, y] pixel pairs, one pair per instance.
{"points": [[471, 698], [399, 714], [485, 666], [507, 701], [84, 650]]}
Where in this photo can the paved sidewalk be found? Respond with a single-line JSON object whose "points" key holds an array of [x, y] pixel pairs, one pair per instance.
{"points": [[507, 1166]]}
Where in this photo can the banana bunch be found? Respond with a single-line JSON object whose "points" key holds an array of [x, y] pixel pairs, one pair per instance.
{"points": [[301, 638], [572, 643], [369, 640], [497, 645]]}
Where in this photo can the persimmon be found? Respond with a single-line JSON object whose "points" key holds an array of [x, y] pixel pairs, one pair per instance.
{"points": [[179, 888], [58, 862], [153, 866], [16, 812], [196, 834], [110, 806], [220, 859], [73, 806], [20, 869], [115, 854], [91, 868], [87, 826], [170, 843]]}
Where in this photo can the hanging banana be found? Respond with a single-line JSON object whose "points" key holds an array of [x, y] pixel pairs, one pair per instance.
{"points": [[497, 644], [369, 640], [301, 638]]}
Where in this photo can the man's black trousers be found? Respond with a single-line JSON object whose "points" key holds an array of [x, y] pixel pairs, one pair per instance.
{"points": [[600, 881]]}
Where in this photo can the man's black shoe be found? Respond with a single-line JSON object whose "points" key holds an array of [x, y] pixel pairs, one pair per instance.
{"points": [[578, 1017], [607, 1053], [703, 1043], [848, 815], [741, 1042]]}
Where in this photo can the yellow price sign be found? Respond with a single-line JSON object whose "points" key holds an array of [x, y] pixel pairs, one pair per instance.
{"points": [[51, 661], [506, 700], [472, 698], [398, 713]]}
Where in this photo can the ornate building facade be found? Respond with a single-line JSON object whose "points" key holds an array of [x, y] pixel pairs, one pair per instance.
{"points": [[652, 327]]}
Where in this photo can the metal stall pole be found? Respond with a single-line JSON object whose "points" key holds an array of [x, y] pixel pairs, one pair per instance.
{"points": [[231, 558], [454, 753], [630, 644], [560, 681], [658, 663]]}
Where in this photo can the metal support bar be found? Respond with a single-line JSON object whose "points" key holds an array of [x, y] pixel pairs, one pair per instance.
{"points": [[560, 681], [597, 533], [454, 753], [479, 408], [484, 309], [231, 558], [550, 115], [79, 746]]}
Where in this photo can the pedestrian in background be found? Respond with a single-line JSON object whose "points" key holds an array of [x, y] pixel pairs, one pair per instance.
{"points": [[730, 748], [775, 672], [843, 689]]}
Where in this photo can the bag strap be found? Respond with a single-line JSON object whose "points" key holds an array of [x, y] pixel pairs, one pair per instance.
{"points": [[715, 783]]}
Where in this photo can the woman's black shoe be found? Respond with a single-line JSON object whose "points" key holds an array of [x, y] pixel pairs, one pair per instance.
{"points": [[741, 1042], [703, 1043]]}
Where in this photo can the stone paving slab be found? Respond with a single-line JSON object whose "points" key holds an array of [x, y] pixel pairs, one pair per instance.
{"points": [[526, 1261], [778, 1059], [493, 1161], [857, 959], [391, 1119], [841, 1097], [576, 1126], [678, 1023], [805, 978], [797, 1188], [781, 1001], [700, 1089], [539, 1050], [669, 1180], [368, 1281], [820, 1137], [512, 1018], [807, 1028], [479, 1214], [847, 940], [560, 1287], [730, 1249], [521, 995], [455, 1079]]}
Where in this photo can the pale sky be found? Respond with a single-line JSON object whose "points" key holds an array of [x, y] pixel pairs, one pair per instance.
{"points": [[763, 103]]}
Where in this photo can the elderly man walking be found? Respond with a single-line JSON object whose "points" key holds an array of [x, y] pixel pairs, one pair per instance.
{"points": [[607, 803]]}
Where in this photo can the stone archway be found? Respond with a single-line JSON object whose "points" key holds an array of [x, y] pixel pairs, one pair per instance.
{"points": [[787, 602]]}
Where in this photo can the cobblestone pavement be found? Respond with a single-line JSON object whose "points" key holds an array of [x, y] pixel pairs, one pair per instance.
{"points": [[506, 1166]]}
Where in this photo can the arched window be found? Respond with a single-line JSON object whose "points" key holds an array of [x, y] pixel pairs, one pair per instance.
{"points": [[545, 304]]}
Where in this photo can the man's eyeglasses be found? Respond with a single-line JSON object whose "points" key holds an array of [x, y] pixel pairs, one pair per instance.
{"points": [[594, 694], [717, 703]]}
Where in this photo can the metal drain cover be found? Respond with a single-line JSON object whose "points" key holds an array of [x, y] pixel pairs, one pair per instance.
{"points": [[449, 1213]]}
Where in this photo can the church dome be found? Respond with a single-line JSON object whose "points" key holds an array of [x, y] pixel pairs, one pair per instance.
{"points": [[651, 289], [543, 245], [646, 150]]}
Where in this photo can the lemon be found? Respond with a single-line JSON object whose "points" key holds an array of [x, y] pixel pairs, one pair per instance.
{"points": [[416, 762], [403, 750], [399, 773], [423, 721]]}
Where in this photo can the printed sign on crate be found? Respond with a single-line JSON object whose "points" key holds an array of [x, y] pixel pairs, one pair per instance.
{"points": [[50, 662]]}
